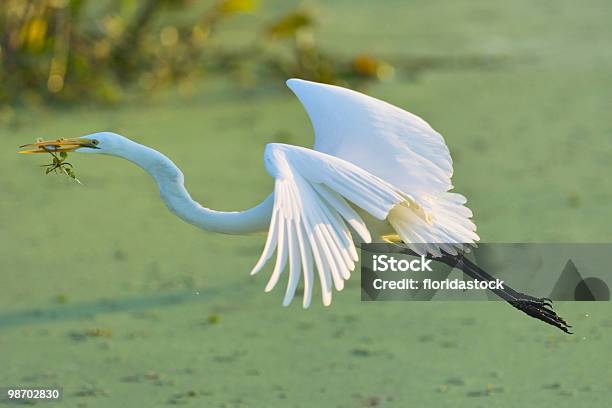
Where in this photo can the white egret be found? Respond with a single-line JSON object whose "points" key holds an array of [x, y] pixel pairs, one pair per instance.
{"points": [[375, 170]]}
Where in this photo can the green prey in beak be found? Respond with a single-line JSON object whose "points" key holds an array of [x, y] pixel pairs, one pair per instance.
{"points": [[59, 149]]}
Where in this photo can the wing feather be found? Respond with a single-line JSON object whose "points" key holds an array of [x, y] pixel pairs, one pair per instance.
{"points": [[373, 155], [270, 245], [307, 267], [311, 216], [343, 209], [281, 254], [294, 265], [363, 130], [393, 145]]}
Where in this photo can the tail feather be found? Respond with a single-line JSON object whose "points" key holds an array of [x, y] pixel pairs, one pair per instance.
{"points": [[435, 224]]}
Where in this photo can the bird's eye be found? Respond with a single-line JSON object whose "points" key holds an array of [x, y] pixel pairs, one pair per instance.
{"points": [[95, 142]]}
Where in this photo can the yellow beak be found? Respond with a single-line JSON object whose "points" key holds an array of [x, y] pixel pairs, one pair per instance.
{"points": [[58, 145]]}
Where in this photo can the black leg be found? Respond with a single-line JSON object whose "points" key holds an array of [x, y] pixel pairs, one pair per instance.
{"points": [[539, 308]]}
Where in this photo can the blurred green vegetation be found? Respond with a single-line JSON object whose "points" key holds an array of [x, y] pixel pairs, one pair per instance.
{"points": [[76, 50]]}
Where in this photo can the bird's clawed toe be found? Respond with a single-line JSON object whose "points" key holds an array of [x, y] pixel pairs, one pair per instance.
{"points": [[541, 308]]}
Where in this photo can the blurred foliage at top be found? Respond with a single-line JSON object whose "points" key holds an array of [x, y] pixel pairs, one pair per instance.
{"points": [[75, 50]]}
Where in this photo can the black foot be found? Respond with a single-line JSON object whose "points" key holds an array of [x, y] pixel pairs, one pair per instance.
{"points": [[541, 308]]}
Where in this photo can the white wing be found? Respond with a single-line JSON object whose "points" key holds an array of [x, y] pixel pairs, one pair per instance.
{"points": [[309, 221], [401, 149], [384, 140]]}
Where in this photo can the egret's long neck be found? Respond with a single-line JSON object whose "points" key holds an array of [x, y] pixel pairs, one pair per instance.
{"points": [[170, 181]]}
